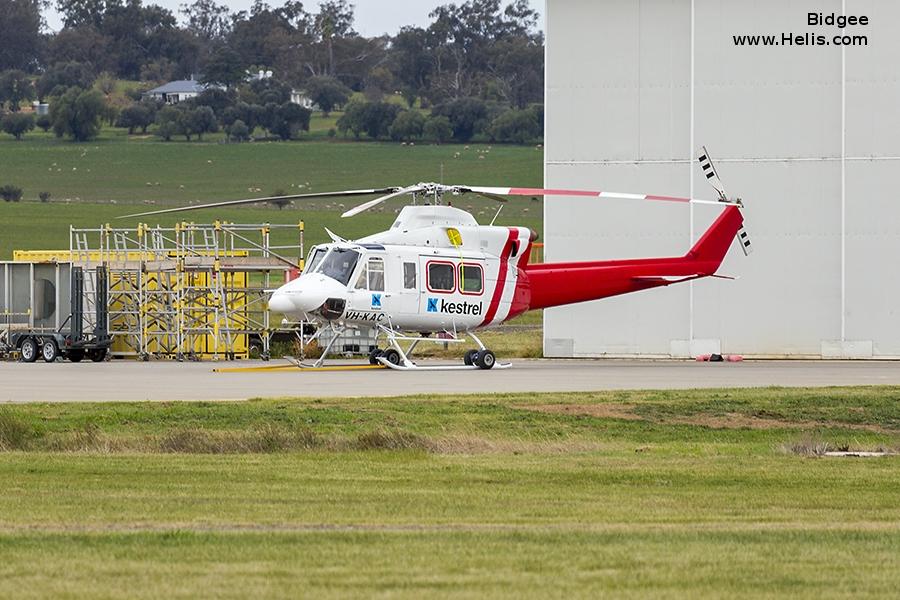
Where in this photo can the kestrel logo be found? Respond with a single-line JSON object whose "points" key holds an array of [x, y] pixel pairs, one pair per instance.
{"points": [[454, 308], [376, 300]]}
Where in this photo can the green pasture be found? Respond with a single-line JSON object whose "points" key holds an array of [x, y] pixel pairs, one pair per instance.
{"points": [[93, 183], [713, 493]]}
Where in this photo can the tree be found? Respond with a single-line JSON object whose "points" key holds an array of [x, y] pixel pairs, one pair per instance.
{"points": [[77, 114], [215, 98], [20, 33], [516, 126], [226, 67], [207, 20], [86, 45], [353, 119], [14, 88], [327, 92], [16, 124], [59, 77], [334, 21], [411, 62], [198, 121], [468, 117], [408, 125], [265, 91], [250, 114], [379, 117], [44, 122], [169, 122], [438, 129], [77, 13], [373, 118], [137, 116], [286, 120], [10, 193], [238, 131]]}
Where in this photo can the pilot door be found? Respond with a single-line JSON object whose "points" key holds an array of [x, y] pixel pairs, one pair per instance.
{"points": [[367, 289]]}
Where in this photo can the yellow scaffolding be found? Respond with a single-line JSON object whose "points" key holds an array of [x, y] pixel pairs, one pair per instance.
{"points": [[192, 291]]}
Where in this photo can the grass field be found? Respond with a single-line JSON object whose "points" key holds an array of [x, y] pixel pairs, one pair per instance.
{"points": [[92, 183], [624, 494]]}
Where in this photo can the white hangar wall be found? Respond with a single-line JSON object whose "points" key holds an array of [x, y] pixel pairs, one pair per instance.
{"points": [[809, 137]]}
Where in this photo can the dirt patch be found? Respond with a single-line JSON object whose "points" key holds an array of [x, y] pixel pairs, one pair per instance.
{"points": [[741, 421], [603, 411], [725, 421]]}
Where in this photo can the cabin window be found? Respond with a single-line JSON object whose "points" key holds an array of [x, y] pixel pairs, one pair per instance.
{"points": [[440, 277], [409, 276], [376, 274], [339, 264], [471, 279]]}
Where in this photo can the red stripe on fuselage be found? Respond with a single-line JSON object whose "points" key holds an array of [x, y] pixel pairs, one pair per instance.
{"points": [[501, 279]]}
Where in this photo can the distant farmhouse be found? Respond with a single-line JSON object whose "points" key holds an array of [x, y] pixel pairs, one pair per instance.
{"points": [[184, 89], [300, 97], [177, 91]]}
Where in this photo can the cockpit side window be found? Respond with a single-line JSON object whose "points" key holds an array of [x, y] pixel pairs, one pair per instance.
{"points": [[339, 264], [371, 275], [363, 278], [315, 256]]}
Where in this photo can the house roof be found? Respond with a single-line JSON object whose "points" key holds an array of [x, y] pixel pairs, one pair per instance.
{"points": [[183, 86]]}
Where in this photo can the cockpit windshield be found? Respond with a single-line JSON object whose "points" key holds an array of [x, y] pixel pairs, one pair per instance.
{"points": [[315, 256], [338, 264]]}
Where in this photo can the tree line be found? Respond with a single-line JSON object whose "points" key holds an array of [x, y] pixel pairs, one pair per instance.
{"points": [[477, 68]]}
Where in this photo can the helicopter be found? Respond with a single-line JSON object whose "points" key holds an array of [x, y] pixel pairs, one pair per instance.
{"points": [[437, 275]]}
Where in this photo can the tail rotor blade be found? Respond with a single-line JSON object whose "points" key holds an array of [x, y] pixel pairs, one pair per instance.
{"points": [[712, 176], [744, 239]]}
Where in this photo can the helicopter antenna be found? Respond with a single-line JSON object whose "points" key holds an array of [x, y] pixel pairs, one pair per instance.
{"points": [[499, 208]]}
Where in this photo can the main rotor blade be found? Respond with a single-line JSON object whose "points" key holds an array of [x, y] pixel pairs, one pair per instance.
{"points": [[590, 193], [484, 194], [266, 199], [372, 203]]}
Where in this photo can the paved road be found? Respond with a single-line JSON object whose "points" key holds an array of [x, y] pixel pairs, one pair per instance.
{"points": [[198, 381]]}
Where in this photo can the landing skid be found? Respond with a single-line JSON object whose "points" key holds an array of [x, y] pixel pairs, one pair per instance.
{"points": [[398, 358], [415, 367]]}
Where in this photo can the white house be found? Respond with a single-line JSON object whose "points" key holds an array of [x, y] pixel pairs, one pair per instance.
{"points": [[177, 91]]}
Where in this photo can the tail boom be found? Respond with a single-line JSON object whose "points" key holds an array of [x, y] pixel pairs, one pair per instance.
{"points": [[556, 284]]}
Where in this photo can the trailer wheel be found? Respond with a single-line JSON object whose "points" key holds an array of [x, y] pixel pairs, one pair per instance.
{"points": [[97, 354], [28, 350], [75, 356], [49, 351]]}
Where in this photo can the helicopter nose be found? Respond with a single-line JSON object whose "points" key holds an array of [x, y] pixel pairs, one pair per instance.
{"points": [[280, 302]]}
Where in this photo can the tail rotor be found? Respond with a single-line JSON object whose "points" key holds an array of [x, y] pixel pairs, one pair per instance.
{"points": [[712, 176]]}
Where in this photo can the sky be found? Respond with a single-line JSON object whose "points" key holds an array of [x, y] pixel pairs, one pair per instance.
{"points": [[373, 17]]}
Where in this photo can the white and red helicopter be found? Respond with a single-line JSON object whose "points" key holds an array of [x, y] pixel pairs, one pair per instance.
{"points": [[438, 271]]}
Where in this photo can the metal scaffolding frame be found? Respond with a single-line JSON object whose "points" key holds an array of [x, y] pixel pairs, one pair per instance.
{"points": [[188, 291]]}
